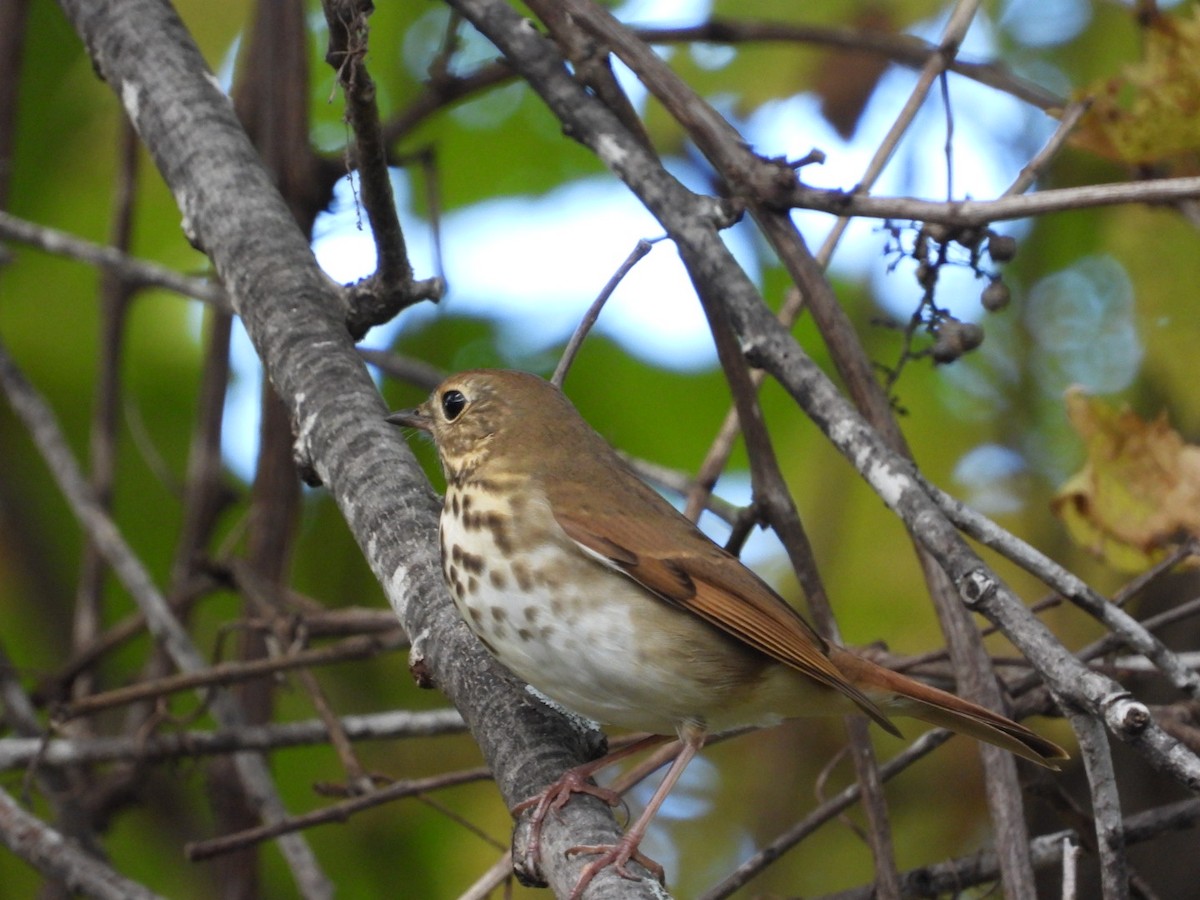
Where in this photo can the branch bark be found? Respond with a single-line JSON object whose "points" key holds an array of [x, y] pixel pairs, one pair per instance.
{"points": [[294, 317]]}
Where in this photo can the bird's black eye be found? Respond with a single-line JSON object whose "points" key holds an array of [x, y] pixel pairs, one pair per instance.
{"points": [[453, 403]]}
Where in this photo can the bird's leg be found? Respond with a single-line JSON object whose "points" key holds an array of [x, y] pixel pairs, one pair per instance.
{"points": [[691, 739], [575, 781]]}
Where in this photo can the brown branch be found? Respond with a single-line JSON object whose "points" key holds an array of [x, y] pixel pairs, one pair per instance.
{"points": [[364, 647], [905, 49], [338, 812], [593, 312], [774, 503], [442, 91], [377, 299]]}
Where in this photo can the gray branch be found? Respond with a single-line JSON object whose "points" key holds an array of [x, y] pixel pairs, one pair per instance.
{"points": [[18, 753], [60, 858], [293, 315]]}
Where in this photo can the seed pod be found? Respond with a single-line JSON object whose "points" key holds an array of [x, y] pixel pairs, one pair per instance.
{"points": [[995, 296], [1002, 247], [954, 338]]}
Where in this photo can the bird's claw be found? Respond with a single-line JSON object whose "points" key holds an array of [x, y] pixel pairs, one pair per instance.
{"points": [[552, 799], [615, 855]]}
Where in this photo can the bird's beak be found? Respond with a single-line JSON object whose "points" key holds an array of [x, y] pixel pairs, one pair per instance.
{"points": [[412, 418]]}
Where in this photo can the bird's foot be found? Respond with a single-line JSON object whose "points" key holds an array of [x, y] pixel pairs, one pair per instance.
{"points": [[615, 855], [554, 797]]}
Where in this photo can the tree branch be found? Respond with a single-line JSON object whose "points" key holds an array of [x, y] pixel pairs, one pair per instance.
{"points": [[295, 319]]}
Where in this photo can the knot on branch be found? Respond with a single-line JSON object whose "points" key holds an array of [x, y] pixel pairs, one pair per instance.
{"points": [[1126, 716], [418, 664], [347, 21], [376, 300], [774, 182], [976, 586]]}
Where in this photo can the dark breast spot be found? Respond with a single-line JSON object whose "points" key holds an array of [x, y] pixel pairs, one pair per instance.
{"points": [[524, 578], [498, 526], [497, 579]]}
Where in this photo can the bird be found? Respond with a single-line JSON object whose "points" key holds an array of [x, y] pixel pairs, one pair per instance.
{"points": [[587, 584]]}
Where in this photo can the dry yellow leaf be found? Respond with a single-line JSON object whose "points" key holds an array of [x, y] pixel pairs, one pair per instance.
{"points": [[1150, 113], [1139, 491]]}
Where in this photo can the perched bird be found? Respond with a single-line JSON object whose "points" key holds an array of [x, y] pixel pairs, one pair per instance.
{"points": [[584, 582]]}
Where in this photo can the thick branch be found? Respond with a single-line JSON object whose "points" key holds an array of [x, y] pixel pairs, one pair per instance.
{"points": [[294, 317]]}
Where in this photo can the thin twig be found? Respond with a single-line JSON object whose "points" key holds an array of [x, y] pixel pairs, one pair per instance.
{"points": [[968, 213], [338, 812], [361, 647], [256, 778], [131, 270], [980, 868], [635, 256], [827, 811], [17, 753], [1135, 635], [905, 49]]}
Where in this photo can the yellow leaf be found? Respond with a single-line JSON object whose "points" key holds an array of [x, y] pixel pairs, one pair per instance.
{"points": [[1150, 112], [1139, 491]]}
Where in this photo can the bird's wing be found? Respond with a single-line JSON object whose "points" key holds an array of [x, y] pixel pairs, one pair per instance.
{"points": [[676, 562]]}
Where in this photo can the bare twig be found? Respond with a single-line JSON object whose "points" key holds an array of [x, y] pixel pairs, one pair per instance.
{"points": [[362, 647], [966, 213], [403, 368], [827, 811], [392, 288], [775, 503], [1106, 805], [131, 270], [163, 625], [16, 753], [1047, 850], [1135, 635], [338, 812], [905, 49], [593, 313]]}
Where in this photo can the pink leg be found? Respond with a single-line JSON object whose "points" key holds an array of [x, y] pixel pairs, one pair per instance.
{"points": [[575, 781], [618, 854]]}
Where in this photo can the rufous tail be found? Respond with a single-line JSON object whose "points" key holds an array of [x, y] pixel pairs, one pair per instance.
{"points": [[899, 694]]}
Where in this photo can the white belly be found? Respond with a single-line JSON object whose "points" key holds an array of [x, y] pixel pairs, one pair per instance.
{"points": [[565, 623]]}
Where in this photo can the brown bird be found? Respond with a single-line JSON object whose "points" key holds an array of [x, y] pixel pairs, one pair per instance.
{"points": [[584, 582]]}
